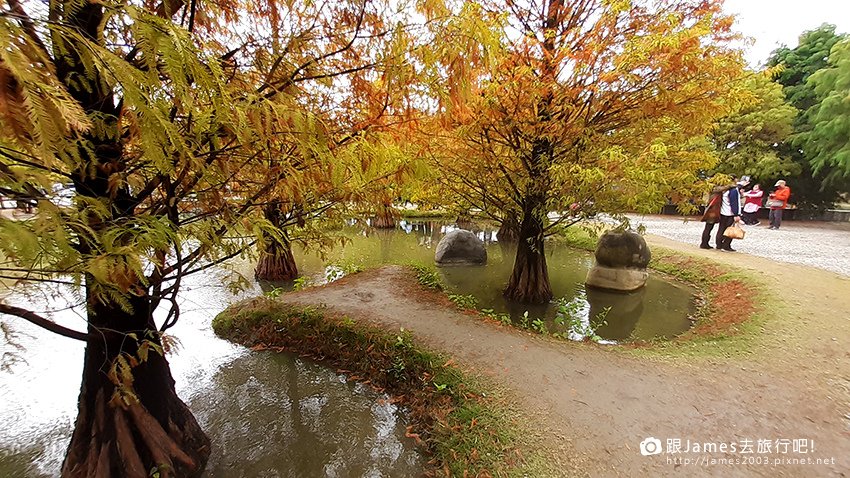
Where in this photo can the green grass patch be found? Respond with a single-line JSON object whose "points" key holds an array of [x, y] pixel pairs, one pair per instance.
{"points": [[467, 426]]}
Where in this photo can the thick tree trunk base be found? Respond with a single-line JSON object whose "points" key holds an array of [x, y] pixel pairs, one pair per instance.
{"points": [[526, 292], [508, 232], [384, 220], [529, 282], [278, 264], [127, 441], [130, 419]]}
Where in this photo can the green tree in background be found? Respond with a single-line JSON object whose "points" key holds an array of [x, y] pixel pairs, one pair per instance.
{"points": [[749, 140], [827, 143], [799, 63]]}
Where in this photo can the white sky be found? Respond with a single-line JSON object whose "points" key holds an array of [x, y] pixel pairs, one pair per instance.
{"points": [[773, 23]]}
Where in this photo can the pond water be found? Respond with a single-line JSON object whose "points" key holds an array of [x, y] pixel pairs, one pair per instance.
{"points": [[267, 414], [659, 310]]}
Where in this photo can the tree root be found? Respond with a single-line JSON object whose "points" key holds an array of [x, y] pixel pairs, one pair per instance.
{"points": [[122, 438], [160, 445]]}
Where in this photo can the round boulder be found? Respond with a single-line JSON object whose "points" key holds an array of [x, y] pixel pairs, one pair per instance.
{"points": [[621, 260], [460, 247], [623, 249]]}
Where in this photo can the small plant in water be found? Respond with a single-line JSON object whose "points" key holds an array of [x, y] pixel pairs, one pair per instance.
{"points": [[336, 271], [578, 328], [301, 282], [428, 276], [504, 319], [523, 322], [463, 301], [539, 326]]}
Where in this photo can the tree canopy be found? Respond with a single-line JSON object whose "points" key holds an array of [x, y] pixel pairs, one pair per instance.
{"points": [[827, 143], [798, 64], [591, 106], [748, 141]]}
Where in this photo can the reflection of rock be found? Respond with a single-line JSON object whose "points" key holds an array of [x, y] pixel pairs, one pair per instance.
{"points": [[624, 312], [621, 260], [460, 247]]}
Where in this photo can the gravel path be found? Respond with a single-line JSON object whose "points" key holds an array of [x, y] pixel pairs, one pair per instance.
{"points": [[816, 244]]}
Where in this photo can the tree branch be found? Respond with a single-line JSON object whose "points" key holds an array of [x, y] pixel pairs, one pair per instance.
{"points": [[42, 322]]}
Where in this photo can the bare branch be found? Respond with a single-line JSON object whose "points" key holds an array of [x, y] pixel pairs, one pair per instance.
{"points": [[42, 322]]}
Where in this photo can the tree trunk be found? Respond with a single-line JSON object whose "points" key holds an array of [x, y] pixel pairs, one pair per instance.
{"points": [[464, 220], [130, 422], [508, 230], [529, 281], [385, 218], [276, 260]]}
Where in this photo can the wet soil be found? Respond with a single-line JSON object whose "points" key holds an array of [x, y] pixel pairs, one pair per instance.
{"points": [[599, 403]]}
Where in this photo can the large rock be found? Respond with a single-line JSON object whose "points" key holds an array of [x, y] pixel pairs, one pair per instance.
{"points": [[622, 249], [460, 247], [621, 260]]}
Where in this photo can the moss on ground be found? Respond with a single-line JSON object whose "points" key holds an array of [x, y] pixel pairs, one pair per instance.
{"points": [[467, 425]]}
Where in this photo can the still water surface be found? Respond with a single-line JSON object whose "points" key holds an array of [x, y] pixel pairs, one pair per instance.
{"points": [[267, 414]]}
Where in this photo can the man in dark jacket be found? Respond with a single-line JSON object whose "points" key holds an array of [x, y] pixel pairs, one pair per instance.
{"points": [[712, 214], [730, 213]]}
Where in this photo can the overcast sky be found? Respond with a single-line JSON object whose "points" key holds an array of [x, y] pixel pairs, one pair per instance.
{"points": [[773, 23]]}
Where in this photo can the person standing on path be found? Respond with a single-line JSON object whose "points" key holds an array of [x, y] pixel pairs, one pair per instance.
{"points": [[711, 216], [752, 204], [778, 201], [730, 213]]}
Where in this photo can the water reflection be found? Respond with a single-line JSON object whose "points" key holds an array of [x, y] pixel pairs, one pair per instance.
{"points": [[267, 414], [303, 414]]}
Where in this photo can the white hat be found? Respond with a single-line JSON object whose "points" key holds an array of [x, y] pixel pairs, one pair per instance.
{"points": [[780, 182]]}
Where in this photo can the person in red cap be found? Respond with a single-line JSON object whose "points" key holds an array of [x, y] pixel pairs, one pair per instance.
{"points": [[777, 201]]}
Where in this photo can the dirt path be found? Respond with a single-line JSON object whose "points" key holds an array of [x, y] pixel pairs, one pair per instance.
{"points": [[601, 402]]}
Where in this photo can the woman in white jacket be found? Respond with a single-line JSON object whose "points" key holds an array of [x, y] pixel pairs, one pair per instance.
{"points": [[752, 204]]}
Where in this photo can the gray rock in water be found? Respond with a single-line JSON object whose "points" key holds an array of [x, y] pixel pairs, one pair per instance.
{"points": [[623, 249], [460, 247], [621, 260], [619, 279]]}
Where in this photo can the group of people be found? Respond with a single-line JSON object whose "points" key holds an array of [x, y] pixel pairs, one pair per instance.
{"points": [[732, 204]]}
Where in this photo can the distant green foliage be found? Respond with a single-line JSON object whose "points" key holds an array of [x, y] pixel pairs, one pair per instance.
{"points": [[798, 65], [827, 143], [747, 141]]}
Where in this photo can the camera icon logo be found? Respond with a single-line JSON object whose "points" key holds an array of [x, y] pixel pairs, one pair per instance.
{"points": [[650, 446]]}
